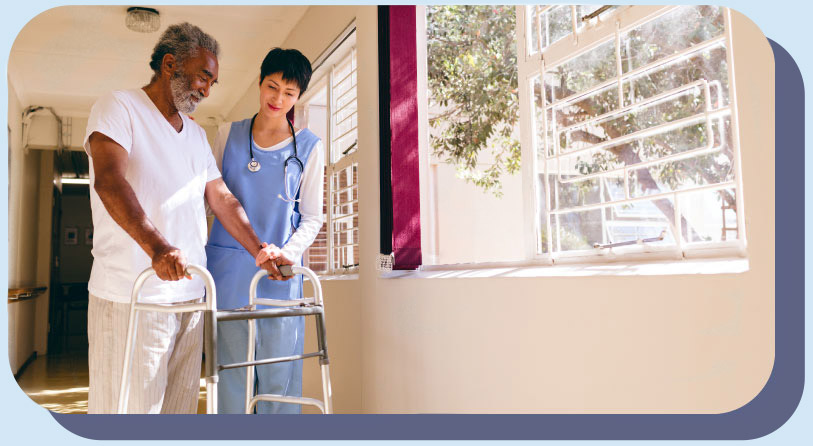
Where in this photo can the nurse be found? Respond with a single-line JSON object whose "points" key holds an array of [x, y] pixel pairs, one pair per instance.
{"points": [[276, 172]]}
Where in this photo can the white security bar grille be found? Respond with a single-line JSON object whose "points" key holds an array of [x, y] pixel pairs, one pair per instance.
{"points": [[634, 131]]}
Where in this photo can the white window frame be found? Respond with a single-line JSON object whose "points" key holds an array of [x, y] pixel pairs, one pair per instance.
{"points": [[602, 30], [335, 55]]}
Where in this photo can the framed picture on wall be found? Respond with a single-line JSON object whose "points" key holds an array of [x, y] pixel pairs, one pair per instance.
{"points": [[89, 236], [71, 236]]}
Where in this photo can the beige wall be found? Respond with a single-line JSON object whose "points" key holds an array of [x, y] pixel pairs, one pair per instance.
{"points": [[673, 343], [27, 332], [23, 186], [670, 343], [473, 225]]}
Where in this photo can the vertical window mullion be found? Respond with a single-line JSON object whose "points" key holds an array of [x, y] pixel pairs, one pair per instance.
{"points": [[329, 171], [735, 126], [526, 69]]}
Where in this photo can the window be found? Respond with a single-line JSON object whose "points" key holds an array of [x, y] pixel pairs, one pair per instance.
{"points": [[626, 121], [632, 141], [329, 109]]}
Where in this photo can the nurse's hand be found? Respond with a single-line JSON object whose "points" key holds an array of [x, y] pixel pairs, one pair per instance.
{"points": [[169, 263], [267, 253]]}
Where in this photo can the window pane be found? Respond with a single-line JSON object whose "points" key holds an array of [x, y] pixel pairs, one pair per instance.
{"points": [[583, 72], [690, 103], [534, 29], [558, 22], [710, 216], [672, 33], [684, 174], [587, 107], [344, 113], [349, 110], [316, 118], [538, 107], [316, 255], [597, 190], [583, 230], [576, 230], [709, 64], [641, 220], [549, 24], [344, 213]]}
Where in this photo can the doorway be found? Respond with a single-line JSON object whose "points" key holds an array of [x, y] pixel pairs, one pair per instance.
{"points": [[71, 259]]}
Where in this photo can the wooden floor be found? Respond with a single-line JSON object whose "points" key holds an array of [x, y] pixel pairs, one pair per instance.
{"points": [[60, 383]]}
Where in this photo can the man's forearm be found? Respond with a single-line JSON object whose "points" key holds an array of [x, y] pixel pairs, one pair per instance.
{"points": [[232, 216], [122, 204]]}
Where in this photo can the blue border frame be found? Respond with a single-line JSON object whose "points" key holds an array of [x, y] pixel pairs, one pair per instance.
{"points": [[769, 410]]}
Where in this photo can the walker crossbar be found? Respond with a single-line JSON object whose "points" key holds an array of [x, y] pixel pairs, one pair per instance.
{"points": [[267, 313], [237, 365], [286, 399]]}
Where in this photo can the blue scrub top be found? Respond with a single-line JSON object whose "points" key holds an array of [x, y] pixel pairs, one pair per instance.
{"points": [[273, 219]]}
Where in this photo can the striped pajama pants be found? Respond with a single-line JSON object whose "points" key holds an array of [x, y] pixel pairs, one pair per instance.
{"points": [[165, 369]]}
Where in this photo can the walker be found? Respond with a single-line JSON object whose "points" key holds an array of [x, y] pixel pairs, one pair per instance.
{"points": [[311, 306]]}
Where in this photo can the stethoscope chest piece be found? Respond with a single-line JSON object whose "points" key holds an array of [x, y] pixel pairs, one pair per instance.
{"points": [[254, 165]]}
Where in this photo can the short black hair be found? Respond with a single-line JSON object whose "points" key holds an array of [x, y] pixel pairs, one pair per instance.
{"points": [[293, 65]]}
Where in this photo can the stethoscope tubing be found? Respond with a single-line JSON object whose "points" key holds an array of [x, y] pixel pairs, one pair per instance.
{"points": [[294, 157]]}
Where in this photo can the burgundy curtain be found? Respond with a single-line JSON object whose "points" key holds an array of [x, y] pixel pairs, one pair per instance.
{"points": [[403, 137]]}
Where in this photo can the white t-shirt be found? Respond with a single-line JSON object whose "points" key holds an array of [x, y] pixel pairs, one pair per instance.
{"points": [[168, 171], [310, 192]]}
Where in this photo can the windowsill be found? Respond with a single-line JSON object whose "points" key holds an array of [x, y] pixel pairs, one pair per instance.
{"points": [[327, 277], [733, 265]]}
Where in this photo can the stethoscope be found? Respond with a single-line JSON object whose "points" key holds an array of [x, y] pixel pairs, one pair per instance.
{"points": [[254, 165]]}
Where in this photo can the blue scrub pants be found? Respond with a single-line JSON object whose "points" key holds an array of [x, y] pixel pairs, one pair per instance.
{"points": [[275, 337]]}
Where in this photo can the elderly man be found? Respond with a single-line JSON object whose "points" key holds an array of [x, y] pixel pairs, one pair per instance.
{"points": [[151, 167]]}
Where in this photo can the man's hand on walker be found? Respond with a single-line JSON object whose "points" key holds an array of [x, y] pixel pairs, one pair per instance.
{"points": [[169, 263], [273, 271], [282, 260]]}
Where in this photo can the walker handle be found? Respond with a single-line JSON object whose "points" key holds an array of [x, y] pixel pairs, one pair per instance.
{"points": [[312, 277]]}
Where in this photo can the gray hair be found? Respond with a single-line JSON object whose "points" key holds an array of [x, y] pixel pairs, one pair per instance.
{"points": [[182, 40]]}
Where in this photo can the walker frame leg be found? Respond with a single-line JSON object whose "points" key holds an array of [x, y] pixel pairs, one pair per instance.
{"points": [[209, 307]]}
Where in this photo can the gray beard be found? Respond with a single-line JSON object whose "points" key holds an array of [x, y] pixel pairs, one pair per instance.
{"points": [[182, 93]]}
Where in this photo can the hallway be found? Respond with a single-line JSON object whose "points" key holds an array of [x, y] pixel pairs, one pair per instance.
{"points": [[58, 382]]}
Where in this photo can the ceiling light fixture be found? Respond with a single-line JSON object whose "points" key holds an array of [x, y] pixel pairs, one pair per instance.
{"points": [[75, 180], [142, 20]]}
